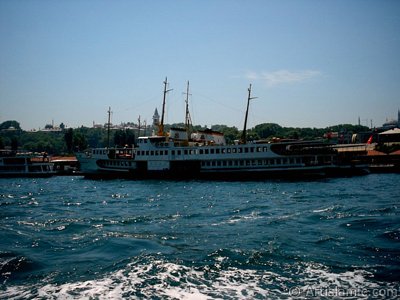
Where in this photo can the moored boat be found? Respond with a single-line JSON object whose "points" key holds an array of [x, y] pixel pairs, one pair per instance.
{"points": [[24, 164], [160, 157], [205, 154]]}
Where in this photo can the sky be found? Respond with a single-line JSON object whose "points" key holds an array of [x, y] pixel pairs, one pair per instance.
{"points": [[311, 63]]}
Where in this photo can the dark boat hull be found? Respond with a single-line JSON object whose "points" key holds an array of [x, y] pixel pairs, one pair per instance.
{"points": [[194, 172]]}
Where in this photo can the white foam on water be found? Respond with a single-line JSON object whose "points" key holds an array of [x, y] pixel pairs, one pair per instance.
{"points": [[16, 292], [166, 280], [327, 209], [318, 281], [239, 218], [317, 275], [158, 278]]}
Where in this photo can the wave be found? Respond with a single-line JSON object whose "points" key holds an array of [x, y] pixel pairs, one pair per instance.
{"points": [[152, 276], [13, 264]]}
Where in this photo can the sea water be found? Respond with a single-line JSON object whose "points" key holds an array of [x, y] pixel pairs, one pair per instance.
{"points": [[74, 238]]}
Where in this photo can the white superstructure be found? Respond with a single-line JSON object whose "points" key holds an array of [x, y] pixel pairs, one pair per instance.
{"points": [[107, 161], [163, 155]]}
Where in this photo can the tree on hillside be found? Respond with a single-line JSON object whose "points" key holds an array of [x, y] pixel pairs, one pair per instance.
{"points": [[267, 130], [79, 141], [252, 135], [69, 139], [347, 128], [124, 137], [14, 143], [96, 137], [8, 124], [50, 142]]}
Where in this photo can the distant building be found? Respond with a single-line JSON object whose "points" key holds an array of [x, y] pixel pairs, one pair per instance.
{"points": [[51, 128], [11, 128], [156, 118], [141, 127], [390, 136], [97, 125], [387, 133], [392, 123]]}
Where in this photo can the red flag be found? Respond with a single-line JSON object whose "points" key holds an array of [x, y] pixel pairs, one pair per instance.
{"points": [[370, 139]]}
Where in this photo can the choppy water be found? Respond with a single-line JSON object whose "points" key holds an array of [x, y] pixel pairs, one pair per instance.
{"points": [[72, 238]]}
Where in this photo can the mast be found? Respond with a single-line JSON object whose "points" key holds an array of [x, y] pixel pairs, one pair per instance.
{"points": [[243, 139], [108, 126], [161, 125], [139, 126], [188, 120]]}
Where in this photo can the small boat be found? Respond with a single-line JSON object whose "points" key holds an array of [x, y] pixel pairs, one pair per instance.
{"points": [[24, 164]]}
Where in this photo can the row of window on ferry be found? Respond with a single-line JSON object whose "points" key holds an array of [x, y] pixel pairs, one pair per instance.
{"points": [[117, 151], [252, 162], [204, 151], [293, 161], [118, 163]]}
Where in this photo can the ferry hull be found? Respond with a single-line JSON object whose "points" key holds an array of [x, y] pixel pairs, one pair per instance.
{"points": [[109, 175], [184, 172], [243, 175], [255, 174]]}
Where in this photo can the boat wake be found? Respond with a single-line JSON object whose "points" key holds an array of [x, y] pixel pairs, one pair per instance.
{"points": [[152, 276]]}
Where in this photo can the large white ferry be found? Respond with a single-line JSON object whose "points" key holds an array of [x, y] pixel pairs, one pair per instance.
{"points": [[206, 155], [156, 156], [160, 156]]}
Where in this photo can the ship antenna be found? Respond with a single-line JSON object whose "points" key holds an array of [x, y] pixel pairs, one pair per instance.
{"points": [[188, 120], [243, 139], [161, 126], [139, 127], [108, 126]]}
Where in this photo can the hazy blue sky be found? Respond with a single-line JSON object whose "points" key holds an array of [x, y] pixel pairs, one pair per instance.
{"points": [[311, 63]]}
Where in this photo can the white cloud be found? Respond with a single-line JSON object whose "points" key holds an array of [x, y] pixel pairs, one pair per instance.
{"points": [[282, 76]]}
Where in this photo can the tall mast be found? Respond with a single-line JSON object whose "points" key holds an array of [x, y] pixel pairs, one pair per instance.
{"points": [[108, 126], [161, 126], [188, 120], [139, 126], [243, 139]]}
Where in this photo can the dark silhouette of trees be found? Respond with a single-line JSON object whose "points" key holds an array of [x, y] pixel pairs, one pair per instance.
{"points": [[10, 124], [69, 139], [79, 142], [14, 143], [124, 138]]}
